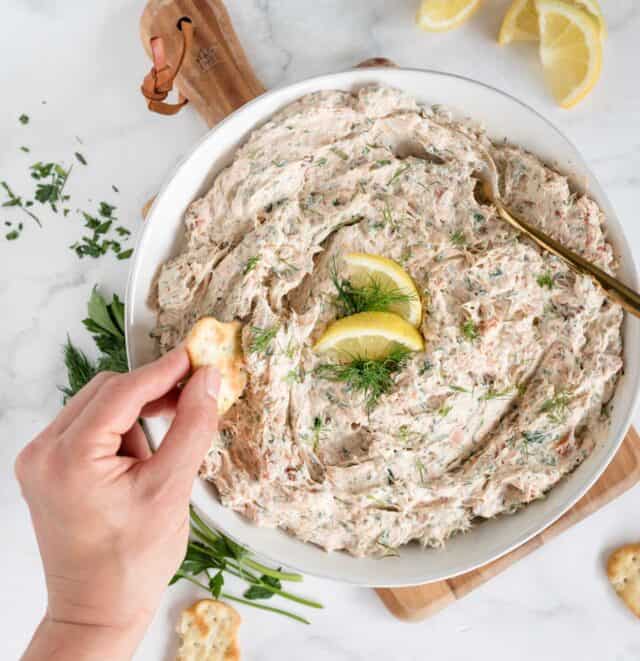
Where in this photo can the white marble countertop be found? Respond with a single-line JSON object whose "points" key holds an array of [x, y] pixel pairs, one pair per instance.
{"points": [[85, 60]]}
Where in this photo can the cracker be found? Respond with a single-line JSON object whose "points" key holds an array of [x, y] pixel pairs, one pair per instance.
{"points": [[208, 631], [218, 344], [623, 570]]}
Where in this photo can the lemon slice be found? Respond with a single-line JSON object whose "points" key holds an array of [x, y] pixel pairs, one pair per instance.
{"points": [[593, 8], [439, 15], [520, 23], [570, 50], [362, 269], [368, 335]]}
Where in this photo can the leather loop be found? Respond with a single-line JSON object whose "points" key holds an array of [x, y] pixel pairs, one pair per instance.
{"points": [[159, 81]]}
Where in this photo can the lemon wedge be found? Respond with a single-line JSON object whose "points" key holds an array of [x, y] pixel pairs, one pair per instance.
{"points": [[520, 23], [368, 335], [570, 50], [363, 269], [439, 15], [593, 7]]}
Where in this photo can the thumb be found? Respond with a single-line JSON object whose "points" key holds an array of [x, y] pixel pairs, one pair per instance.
{"points": [[192, 430]]}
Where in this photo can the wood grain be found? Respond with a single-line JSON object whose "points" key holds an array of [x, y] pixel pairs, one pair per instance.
{"points": [[217, 79], [419, 602], [216, 76]]}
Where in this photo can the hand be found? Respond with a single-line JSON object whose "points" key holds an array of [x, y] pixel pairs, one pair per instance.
{"points": [[111, 518]]}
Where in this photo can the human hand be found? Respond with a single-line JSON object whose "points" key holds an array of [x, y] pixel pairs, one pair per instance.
{"points": [[111, 519]]}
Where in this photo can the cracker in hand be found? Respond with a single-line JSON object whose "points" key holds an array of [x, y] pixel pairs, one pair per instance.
{"points": [[218, 344], [623, 570], [208, 631]]}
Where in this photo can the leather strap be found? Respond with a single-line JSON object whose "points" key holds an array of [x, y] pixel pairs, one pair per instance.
{"points": [[159, 81]]}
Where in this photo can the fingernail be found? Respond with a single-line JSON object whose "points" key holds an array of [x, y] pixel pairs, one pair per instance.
{"points": [[212, 381]]}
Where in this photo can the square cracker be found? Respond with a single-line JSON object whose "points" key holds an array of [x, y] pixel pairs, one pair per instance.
{"points": [[208, 631]]}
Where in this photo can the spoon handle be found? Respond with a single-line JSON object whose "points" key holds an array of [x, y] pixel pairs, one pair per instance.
{"points": [[621, 294]]}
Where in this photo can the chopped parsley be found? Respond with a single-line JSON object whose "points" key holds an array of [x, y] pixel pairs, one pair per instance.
{"points": [[99, 241]]}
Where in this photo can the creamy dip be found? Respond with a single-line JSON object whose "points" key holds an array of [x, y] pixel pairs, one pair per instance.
{"points": [[521, 354]]}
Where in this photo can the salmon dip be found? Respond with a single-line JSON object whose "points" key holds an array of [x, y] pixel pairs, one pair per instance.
{"points": [[521, 354]]}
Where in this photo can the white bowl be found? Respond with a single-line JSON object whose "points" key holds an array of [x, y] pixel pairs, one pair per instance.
{"points": [[504, 117]]}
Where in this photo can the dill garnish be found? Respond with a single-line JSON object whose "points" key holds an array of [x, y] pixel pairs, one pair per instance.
{"points": [[397, 174], [458, 238], [556, 407], [339, 153], [469, 330], [496, 394], [532, 437], [250, 264], [262, 339], [545, 280], [444, 410], [372, 378], [370, 297]]}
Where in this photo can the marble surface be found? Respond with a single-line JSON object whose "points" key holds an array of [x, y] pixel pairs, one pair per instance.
{"points": [[84, 59]]}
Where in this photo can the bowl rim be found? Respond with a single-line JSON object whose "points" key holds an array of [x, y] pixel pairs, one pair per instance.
{"points": [[614, 445]]}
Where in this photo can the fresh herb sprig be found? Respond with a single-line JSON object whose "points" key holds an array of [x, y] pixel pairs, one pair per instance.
{"points": [[262, 339], [370, 377], [557, 407], [105, 322], [370, 297], [211, 553]]}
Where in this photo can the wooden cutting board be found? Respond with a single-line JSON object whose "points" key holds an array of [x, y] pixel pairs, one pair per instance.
{"points": [[217, 78], [419, 602]]}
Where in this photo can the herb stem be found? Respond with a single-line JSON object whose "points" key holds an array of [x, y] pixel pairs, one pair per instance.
{"points": [[273, 609], [274, 573]]}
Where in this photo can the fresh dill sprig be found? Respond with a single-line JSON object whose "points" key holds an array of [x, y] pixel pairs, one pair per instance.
{"points": [[250, 264], [556, 407], [545, 280], [370, 297], [458, 238], [397, 174], [105, 322], [262, 339], [370, 377], [469, 330], [492, 393], [533, 437]]}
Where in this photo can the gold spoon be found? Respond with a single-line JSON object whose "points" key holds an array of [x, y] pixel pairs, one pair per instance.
{"points": [[613, 288]]}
